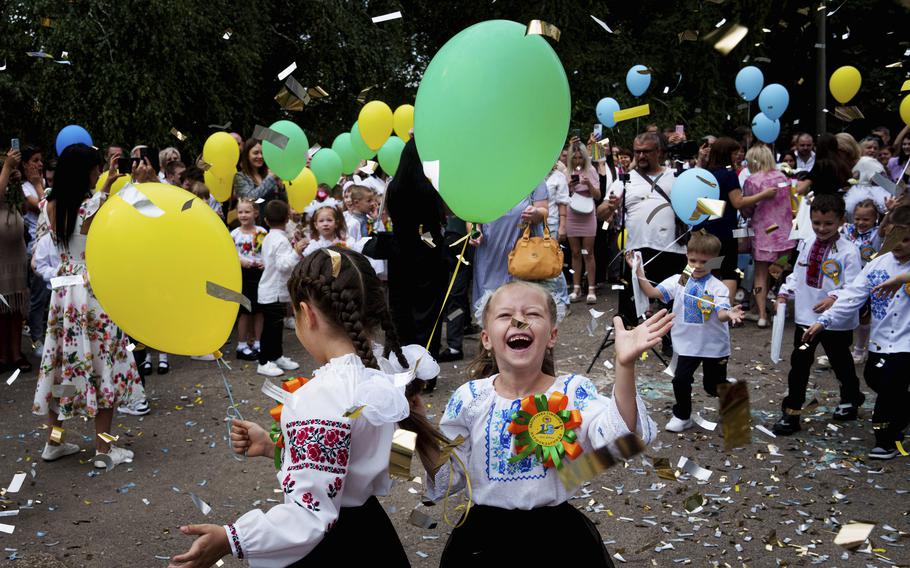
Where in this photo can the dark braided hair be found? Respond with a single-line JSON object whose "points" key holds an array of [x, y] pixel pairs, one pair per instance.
{"points": [[355, 303]]}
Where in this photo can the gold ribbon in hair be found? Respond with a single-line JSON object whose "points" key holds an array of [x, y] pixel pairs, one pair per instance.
{"points": [[336, 261]]}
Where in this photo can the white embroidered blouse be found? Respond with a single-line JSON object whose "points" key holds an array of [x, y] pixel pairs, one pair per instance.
{"points": [[481, 416], [329, 461]]}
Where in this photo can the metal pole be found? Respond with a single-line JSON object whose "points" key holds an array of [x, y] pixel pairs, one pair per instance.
{"points": [[821, 80]]}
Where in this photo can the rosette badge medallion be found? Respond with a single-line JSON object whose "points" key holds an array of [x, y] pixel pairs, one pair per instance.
{"points": [[544, 428]]}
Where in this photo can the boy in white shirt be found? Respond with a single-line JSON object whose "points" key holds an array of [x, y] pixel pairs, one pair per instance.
{"points": [[278, 258], [885, 282], [701, 335], [826, 263]]}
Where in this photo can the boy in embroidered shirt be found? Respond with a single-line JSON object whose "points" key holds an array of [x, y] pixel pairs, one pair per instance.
{"points": [[863, 232], [278, 259], [826, 263], [885, 283], [362, 205], [700, 332]]}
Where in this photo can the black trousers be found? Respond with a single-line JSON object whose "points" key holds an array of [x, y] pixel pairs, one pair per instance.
{"points": [[355, 525], [418, 278], [490, 535], [667, 265], [837, 347], [888, 374], [713, 369], [458, 308], [271, 344], [38, 305]]}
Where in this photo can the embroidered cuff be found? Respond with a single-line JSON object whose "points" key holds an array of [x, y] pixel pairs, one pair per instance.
{"points": [[665, 296], [236, 549]]}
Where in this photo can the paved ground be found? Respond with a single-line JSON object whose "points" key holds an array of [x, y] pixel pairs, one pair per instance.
{"points": [[776, 502]]}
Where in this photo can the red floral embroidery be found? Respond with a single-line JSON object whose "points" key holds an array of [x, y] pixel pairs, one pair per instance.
{"points": [[307, 501], [335, 487], [323, 445], [236, 540], [288, 484]]}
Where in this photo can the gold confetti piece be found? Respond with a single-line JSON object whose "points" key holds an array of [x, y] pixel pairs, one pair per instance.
{"points": [[694, 503], [644, 356], [632, 112], [771, 228], [362, 95], [226, 294], [706, 182], [403, 444], [727, 38], [735, 414], [852, 535], [266, 134], [108, 438], [179, 135], [706, 206], [354, 412], [804, 410], [688, 35], [188, 204], [217, 354], [317, 92], [848, 113], [663, 469], [686, 274], [287, 101], [905, 86], [519, 324], [386, 17], [57, 434], [421, 520], [540, 27], [589, 465]]}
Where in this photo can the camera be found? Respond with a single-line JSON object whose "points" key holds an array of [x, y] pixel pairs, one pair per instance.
{"points": [[625, 177], [686, 150]]}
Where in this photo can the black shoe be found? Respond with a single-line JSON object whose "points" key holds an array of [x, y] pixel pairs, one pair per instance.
{"points": [[450, 355], [430, 385], [247, 354], [145, 368], [845, 411], [788, 424], [880, 453], [163, 368]]}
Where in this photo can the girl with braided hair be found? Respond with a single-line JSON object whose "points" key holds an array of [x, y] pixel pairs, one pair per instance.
{"points": [[335, 461]]}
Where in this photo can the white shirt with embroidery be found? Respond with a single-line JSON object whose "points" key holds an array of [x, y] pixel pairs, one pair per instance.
{"points": [[890, 316], [847, 267], [868, 242], [328, 461], [482, 417], [696, 330]]}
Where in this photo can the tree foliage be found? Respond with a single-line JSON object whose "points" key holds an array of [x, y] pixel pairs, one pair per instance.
{"points": [[138, 69]]}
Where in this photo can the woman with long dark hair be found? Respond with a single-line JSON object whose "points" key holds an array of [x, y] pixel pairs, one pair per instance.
{"points": [[84, 351]]}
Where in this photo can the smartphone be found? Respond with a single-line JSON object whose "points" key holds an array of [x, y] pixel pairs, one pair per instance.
{"points": [[575, 178], [152, 155], [14, 144], [576, 132], [598, 130], [125, 164], [680, 129]]}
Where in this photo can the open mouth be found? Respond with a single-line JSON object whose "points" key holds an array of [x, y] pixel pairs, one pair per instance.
{"points": [[519, 341]]}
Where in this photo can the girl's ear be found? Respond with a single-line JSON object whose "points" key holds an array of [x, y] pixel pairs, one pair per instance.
{"points": [[306, 314], [551, 343], [485, 340]]}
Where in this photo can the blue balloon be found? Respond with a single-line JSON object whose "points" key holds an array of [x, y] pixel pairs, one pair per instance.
{"points": [[773, 100], [636, 82], [605, 109], [764, 128], [72, 134], [749, 82], [687, 188]]}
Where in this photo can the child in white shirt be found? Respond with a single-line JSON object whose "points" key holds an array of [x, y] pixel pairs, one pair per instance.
{"points": [[864, 233], [701, 336], [327, 226], [826, 263]]}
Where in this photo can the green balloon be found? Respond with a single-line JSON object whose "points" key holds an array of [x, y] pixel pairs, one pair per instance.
{"points": [[493, 108], [290, 161], [390, 154], [326, 165], [342, 145], [361, 150]]}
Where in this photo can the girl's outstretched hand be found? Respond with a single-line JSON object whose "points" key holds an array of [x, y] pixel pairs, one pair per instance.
{"points": [[632, 343], [206, 550], [250, 439]]}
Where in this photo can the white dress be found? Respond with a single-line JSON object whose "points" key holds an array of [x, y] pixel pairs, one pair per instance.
{"points": [[329, 461], [481, 416]]}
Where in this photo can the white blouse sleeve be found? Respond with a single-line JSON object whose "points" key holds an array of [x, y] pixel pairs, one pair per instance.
{"points": [[602, 423], [317, 450], [454, 423]]}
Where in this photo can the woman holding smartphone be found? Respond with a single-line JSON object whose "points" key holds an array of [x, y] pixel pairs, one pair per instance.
{"points": [[584, 189]]}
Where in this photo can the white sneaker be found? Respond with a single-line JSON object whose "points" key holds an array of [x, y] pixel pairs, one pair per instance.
{"points": [[140, 408], [209, 357], [52, 452], [115, 456], [286, 364], [270, 369], [823, 362], [289, 323], [678, 424]]}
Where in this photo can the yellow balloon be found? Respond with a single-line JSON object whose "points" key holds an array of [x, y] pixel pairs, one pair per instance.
{"points": [[220, 182], [403, 120], [844, 83], [221, 151], [149, 267], [117, 186], [905, 110], [375, 123], [621, 240], [302, 190]]}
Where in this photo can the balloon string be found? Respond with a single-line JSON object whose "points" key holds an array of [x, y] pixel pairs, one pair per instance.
{"points": [[232, 411], [679, 238], [442, 308], [469, 493]]}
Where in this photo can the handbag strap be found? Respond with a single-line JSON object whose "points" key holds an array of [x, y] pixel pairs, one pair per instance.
{"points": [[527, 231]]}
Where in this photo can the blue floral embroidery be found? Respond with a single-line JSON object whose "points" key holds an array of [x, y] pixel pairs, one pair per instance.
{"points": [[584, 394], [453, 408], [694, 288], [473, 389], [879, 305], [499, 449]]}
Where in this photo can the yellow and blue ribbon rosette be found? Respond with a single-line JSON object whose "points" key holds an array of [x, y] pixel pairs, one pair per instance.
{"points": [[833, 270], [545, 429]]}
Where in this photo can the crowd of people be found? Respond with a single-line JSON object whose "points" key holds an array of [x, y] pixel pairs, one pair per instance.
{"points": [[363, 275]]}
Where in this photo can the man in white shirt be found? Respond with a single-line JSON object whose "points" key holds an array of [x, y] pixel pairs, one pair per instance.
{"points": [[805, 152], [649, 219]]}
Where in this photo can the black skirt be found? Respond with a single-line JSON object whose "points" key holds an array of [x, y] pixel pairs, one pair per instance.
{"points": [[368, 525], [549, 535], [250, 278]]}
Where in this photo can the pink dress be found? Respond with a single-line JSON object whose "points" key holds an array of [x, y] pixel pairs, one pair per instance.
{"points": [[578, 225], [768, 247]]}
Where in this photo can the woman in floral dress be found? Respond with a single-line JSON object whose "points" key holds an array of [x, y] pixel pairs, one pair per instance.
{"points": [[85, 353]]}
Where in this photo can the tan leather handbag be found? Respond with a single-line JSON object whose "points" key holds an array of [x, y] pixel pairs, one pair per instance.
{"points": [[535, 258]]}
